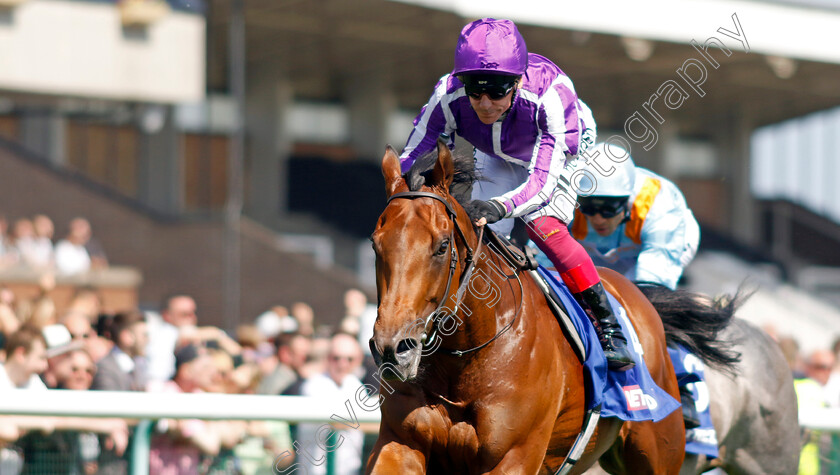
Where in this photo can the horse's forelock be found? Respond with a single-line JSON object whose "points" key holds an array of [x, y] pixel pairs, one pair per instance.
{"points": [[462, 180]]}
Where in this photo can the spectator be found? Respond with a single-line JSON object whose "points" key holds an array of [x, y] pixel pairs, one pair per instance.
{"points": [[339, 383], [256, 349], [71, 256], [59, 346], [292, 352], [357, 306], [9, 322], [124, 368], [7, 254], [26, 352], [26, 245], [81, 330], [180, 445], [41, 312], [275, 321], [832, 387], [177, 310], [44, 250], [319, 350], [809, 394], [175, 328], [305, 317], [87, 301], [72, 451], [819, 366], [26, 358], [98, 259], [790, 348]]}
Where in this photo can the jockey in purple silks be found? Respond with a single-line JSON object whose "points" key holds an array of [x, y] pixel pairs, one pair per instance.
{"points": [[522, 115]]}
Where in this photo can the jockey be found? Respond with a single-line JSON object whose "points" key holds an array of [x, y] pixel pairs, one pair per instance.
{"points": [[522, 115], [635, 221]]}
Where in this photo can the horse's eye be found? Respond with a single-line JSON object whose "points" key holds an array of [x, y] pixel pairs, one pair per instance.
{"points": [[444, 246]]}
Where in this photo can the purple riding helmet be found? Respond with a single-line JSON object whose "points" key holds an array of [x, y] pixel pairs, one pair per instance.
{"points": [[490, 46]]}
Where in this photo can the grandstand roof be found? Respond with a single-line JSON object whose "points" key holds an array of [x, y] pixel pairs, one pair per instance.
{"points": [[320, 46]]}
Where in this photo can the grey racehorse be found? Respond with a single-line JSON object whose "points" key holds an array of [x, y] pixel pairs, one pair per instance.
{"points": [[752, 398], [754, 411]]}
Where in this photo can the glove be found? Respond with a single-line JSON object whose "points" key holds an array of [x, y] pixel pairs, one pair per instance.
{"points": [[490, 210]]}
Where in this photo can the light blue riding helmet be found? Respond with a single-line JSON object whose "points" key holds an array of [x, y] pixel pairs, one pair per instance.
{"points": [[622, 180], [490, 46]]}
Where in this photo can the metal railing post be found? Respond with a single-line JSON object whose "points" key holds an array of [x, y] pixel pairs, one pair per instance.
{"points": [[141, 446]]}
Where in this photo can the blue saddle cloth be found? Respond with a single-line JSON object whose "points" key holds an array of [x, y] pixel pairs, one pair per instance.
{"points": [[689, 369], [628, 395]]}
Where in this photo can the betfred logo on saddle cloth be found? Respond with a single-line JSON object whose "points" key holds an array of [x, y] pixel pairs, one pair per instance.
{"points": [[637, 399]]}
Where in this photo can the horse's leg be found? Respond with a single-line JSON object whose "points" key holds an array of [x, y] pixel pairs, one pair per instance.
{"points": [[650, 448], [647, 447], [693, 464], [389, 457]]}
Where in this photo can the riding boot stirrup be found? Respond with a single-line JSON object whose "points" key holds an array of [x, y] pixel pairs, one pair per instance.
{"points": [[689, 409], [594, 302]]}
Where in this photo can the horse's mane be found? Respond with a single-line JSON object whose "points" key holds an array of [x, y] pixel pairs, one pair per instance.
{"points": [[462, 181]]}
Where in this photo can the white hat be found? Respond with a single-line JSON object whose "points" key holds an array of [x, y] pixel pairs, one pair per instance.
{"points": [[270, 324], [59, 340]]}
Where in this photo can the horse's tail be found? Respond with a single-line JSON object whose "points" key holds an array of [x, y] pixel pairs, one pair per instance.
{"points": [[694, 321]]}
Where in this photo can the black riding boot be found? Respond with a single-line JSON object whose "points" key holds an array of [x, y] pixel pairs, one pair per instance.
{"points": [[689, 410], [594, 302]]}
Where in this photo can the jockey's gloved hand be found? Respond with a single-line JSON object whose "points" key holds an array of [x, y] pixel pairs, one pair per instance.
{"points": [[490, 210]]}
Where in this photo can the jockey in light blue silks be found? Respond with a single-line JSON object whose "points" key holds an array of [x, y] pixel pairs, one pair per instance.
{"points": [[637, 223], [522, 115]]}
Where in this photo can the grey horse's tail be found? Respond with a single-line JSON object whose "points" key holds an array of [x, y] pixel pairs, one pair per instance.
{"points": [[694, 321]]}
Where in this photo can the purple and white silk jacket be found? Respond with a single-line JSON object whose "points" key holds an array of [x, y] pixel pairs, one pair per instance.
{"points": [[543, 131]]}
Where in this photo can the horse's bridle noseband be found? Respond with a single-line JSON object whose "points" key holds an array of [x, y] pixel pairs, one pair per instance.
{"points": [[453, 264]]}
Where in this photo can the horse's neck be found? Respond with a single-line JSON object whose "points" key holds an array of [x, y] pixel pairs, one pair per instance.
{"points": [[488, 302]]}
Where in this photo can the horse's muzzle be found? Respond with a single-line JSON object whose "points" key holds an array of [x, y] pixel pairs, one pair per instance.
{"points": [[405, 358]]}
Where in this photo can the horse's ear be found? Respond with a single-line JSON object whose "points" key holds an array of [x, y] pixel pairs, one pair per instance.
{"points": [[444, 168], [391, 171]]}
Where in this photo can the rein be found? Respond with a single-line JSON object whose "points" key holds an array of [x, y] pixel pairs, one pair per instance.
{"points": [[434, 317]]}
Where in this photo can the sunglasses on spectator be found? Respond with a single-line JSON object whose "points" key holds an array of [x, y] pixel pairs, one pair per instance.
{"points": [[349, 359], [82, 336], [606, 207]]}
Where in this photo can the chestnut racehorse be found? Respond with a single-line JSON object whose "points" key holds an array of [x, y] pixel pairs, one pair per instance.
{"points": [[504, 391]]}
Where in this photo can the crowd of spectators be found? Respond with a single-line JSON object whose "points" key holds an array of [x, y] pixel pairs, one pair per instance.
{"points": [[30, 243], [280, 352], [816, 378]]}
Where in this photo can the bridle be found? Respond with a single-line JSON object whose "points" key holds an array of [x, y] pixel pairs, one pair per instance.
{"points": [[435, 318]]}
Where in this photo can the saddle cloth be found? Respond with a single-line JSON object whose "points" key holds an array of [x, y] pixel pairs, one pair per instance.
{"points": [[628, 395], [703, 439]]}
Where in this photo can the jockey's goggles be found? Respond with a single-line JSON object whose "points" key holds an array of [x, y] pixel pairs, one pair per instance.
{"points": [[494, 85], [606, 206]]}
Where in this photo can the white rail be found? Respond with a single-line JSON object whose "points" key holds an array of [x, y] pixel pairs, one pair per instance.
{"points": [[134, 405]]}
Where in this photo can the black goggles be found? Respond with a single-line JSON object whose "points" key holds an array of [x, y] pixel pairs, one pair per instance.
{"points": [[496, 87], [606, 207]]}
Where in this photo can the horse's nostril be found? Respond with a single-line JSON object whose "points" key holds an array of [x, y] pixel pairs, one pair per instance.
{"points": [[373, 349], [406, 345]]}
